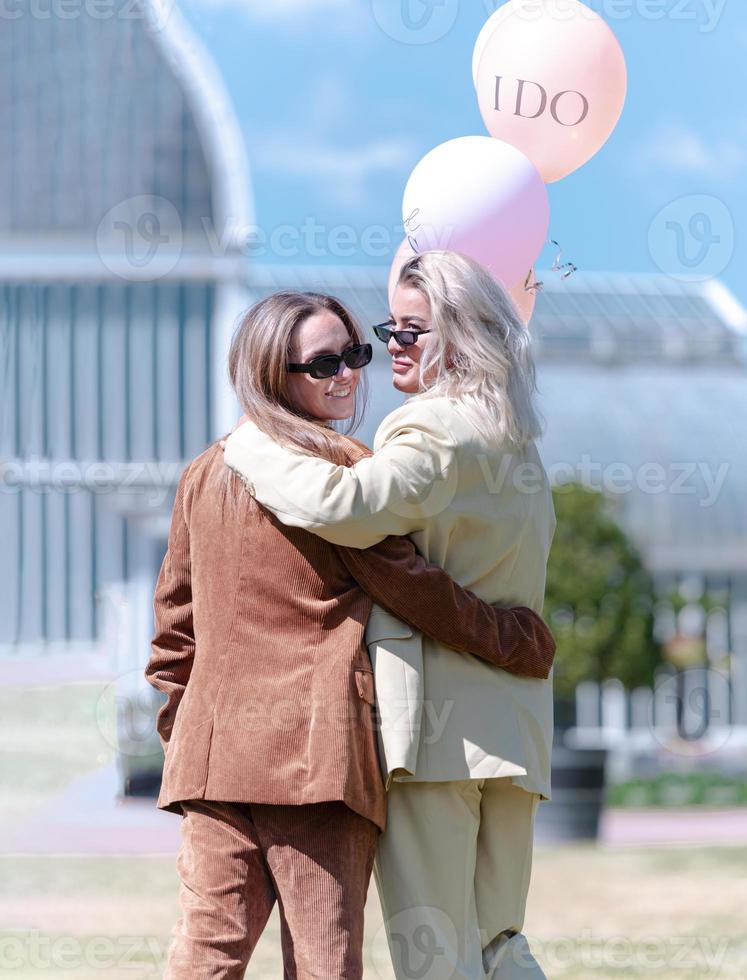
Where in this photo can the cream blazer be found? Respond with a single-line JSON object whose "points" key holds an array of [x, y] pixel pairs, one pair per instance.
{"points": [[481, 510]]}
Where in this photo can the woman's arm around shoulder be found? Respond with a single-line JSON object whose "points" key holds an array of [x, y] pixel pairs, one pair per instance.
{"points": [[424, 596], [411, 477]]}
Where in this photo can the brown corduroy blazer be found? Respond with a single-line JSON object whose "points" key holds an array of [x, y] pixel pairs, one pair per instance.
{"points": [[259, 648]]}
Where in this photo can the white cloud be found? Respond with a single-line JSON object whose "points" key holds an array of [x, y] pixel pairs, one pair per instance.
{"points": [[279, 10], [677, 148], [330, 161], [332, 104], [342, 173]]}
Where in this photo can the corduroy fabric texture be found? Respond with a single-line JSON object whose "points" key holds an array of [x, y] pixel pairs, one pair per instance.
{"points": [[259, 645], [237, 859]]}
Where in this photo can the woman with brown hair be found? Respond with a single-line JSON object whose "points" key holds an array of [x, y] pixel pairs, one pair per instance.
{"points": [[268, 728]]}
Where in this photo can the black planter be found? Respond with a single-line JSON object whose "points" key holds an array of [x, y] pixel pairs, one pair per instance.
{"points": [[577, 795]]}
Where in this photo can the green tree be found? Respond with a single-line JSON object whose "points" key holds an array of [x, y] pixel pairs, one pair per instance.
{"points": [[599, 599]]}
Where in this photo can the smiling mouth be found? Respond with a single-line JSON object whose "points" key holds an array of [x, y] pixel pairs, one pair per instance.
{"points": [[343, 393]]}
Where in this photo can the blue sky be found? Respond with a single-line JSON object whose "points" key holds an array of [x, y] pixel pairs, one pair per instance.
{"points": [[337, 106]]}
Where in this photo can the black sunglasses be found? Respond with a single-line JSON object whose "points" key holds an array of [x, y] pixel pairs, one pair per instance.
{"points": [[327, 365], [405, 338]]}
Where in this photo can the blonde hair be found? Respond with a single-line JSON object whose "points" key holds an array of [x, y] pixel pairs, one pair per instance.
{"points": [[257, 367], [480, 351]]}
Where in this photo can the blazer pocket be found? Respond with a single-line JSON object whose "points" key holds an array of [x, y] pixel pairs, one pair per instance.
{"points": [[382, 625], [364, 681]]}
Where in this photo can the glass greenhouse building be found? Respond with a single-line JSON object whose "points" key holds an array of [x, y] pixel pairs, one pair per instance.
{"points": [[122, 168]]}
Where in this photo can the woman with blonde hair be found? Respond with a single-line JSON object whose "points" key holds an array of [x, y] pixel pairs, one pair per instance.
{"points": [[268, 728], [457, 468]]}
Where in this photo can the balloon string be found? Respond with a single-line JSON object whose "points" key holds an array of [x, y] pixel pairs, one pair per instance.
{"points": [[533, 287], [531, 284], [411, 239], [564, 268], [410, 219]]}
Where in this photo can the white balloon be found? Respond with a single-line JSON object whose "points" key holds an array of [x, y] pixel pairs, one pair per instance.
{"points": [[482, 197]]}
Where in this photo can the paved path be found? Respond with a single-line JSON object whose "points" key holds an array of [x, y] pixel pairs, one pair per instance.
{"points": [[686, 825], [88, 819]]}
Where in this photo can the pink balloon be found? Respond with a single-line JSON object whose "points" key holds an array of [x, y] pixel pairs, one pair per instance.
{"points": [[552, 81], [481, 197], [524, 300]]}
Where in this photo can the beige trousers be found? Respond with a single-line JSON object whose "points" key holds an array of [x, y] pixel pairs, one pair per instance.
{"points": [[452, 870]]}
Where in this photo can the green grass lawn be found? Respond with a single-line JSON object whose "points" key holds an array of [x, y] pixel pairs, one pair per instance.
{"points": [[676, 914], [592, 914]]}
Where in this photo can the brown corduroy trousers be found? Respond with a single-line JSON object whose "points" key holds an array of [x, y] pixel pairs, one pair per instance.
{"points": [[236, 859]]}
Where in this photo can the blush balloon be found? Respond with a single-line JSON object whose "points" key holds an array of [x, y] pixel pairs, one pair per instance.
{"points": [[551, 81], [524, 300]]}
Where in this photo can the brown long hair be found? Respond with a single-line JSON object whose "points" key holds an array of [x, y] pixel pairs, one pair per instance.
{"points": [[257, 363]]}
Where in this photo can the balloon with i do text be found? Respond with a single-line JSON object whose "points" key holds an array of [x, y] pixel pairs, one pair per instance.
{"points": [[551, 81]]}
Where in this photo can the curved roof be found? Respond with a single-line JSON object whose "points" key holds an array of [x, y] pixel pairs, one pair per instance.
{"points": [[111, 109], [222, 140], [614, 317]]}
